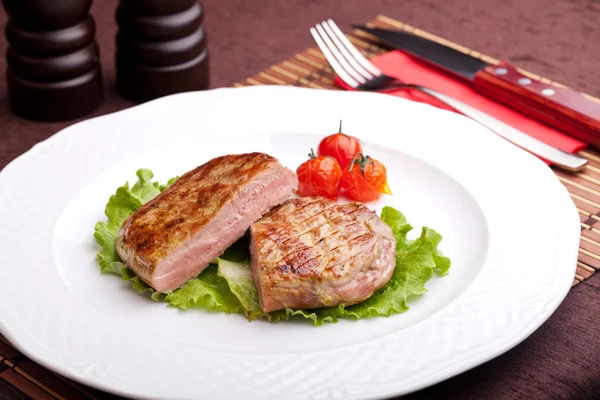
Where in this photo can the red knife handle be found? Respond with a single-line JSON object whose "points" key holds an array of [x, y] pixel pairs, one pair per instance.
{"points": [[559, 107]]}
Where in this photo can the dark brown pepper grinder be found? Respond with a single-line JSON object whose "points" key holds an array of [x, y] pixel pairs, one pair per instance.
{"points": [[161, 48], [53, 70]]}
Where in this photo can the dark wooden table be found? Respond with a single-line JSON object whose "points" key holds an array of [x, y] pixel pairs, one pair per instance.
{"points": [[558, 39]]}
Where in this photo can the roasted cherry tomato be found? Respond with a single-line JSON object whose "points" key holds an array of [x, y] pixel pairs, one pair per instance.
{"points": [[356, 187], [340, 146], [319, 176], [364, 179]]}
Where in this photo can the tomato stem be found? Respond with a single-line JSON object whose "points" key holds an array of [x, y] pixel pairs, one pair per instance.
{"points": [[311, 155], [354, 160], [340, 131], [362, 161]]}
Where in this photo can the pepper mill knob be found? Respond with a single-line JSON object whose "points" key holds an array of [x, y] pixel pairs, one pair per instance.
{"points": [[161, 48], [53, 70]]}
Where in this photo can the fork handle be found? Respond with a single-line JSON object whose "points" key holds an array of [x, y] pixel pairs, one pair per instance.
{"points": [[557, 157]]}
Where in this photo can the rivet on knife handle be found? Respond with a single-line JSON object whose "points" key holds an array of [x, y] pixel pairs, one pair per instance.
{"points": [[561, 107], [557, 157]]}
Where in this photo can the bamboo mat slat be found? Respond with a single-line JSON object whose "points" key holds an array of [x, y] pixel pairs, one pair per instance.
{"points": [[20, 377]]}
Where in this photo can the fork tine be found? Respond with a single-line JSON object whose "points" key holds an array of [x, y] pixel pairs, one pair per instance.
{"points": [[335, 58], [332, 61], [366, 64], [335, 37]]}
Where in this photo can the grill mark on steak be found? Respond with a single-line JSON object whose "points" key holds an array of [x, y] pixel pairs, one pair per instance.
{"points": [[304, 208], [320, 212], [347, 241], [310, 244], [310, 229], [312, 252], [314, 231]]}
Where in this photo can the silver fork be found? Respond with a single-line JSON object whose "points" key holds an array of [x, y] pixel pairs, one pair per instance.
{"points": [[359, 73]]}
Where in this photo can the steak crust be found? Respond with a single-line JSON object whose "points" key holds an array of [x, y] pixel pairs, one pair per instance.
{"points": [[312, 252], [172, 238]]}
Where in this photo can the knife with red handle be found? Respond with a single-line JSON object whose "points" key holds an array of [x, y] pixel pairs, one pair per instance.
{"points": [[562, 108]]}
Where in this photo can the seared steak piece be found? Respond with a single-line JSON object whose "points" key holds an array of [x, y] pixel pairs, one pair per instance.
{"points": [[172, 238], [312, 252]]}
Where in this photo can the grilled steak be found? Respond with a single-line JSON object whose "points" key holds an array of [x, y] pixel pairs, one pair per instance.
{"points": [[172, 238], [311, 252]]}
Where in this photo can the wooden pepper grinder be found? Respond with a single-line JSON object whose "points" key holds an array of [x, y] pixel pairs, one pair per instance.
{"points": [[161, 48], [53, 70]]}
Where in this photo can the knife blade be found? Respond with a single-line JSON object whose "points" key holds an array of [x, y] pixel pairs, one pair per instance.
{"points": [[557, 157], [560, 107]]}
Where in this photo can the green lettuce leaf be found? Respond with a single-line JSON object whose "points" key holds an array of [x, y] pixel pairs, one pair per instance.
{"points": [[239, 279], [208, 291], [318, 315], [400, 226]]}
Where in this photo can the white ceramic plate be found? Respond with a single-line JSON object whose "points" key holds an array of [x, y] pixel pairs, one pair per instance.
{"points": [[508, 225]]}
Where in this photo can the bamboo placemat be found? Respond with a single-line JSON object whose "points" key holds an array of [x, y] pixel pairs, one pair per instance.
{"points": [[21, 378]]}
